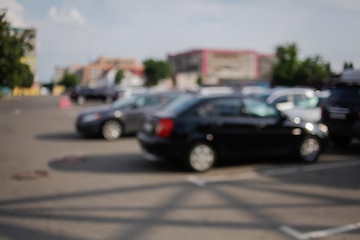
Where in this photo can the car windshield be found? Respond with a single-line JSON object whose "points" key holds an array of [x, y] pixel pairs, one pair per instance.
{"points": [[311, 102], [124, 102], [261, 96], [179, 104]]}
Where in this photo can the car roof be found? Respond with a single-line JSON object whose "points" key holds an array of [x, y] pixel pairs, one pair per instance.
{"points": [[278, 92], [346, 84], [215, 90]]}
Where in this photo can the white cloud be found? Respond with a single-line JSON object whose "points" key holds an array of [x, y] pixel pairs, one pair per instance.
{"points": [[345, 4], [348, 4], [72, 16], [151, 29], [14, 12]]}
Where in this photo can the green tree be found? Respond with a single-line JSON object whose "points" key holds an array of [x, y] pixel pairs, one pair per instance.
{"points": [[348, 66], [13, 46], [156, 70], [69, 80], [284, 70], [119, 76], [290, 71], [313, 71], [199, 80], [26, 77]]}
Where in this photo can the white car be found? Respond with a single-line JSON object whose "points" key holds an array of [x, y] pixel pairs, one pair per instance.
{"points": [[308, 109], [285, 98]]}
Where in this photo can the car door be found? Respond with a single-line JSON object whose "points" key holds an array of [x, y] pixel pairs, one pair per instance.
{"points": [[136, 112], [272, 135], [224, 125]]}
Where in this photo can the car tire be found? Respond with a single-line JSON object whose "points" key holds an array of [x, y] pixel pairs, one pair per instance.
{"points": [[80, 100], [340, 141], [309, 149], [201, 157], [111, 130]]}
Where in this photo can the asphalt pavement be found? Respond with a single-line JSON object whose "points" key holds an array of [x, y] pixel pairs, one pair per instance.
{"points": [[57, 185]]}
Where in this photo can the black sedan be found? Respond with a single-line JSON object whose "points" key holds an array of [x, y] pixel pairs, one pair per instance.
{"points": [[202, 130], [82, 94], [124, 116]]}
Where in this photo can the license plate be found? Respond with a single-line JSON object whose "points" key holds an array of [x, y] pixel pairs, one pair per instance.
{"points": [[337, 115]]}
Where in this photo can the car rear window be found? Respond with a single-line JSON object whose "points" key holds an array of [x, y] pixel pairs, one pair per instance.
{"points": [[180, 104]]}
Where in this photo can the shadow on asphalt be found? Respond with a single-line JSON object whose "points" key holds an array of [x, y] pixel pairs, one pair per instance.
{"points": [[122, 163], [326, 177], [342, 177], [351, 149], [231, 198], [71, 136], [34, 208], [136, 163]]}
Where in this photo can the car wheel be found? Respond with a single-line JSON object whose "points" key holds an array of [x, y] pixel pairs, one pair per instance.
{"points": [[340, 141], [309, 149], [201, 157], [111, 130], [81, 100]]}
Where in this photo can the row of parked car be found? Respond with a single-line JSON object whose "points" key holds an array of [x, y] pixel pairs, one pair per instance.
{"points": [[81, 94], [203, 127]]}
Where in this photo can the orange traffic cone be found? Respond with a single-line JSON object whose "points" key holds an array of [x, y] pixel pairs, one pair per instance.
{"points": [[64, 102]]}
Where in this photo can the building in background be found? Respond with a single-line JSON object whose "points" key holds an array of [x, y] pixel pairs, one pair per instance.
{"points": [[221, 67], [101, 73]]}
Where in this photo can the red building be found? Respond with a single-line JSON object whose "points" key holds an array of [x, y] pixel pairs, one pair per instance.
{"points": [[216, 66]]}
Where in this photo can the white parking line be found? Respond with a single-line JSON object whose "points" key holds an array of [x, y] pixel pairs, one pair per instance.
{"points": [[201, 182], [318, 234]]}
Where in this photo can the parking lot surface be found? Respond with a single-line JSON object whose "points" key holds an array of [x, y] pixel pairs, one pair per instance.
{"points": [[56, 185]]}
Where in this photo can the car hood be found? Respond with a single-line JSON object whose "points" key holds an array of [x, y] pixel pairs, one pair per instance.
{"points": [[306, 114]]}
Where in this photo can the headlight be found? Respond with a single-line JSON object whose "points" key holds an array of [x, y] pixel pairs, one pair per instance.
{"points": [[323, 128], [309, 126], [90, 117], [117, 114]]}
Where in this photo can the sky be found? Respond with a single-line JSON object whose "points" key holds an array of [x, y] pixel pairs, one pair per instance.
{"points": [[80, 31]]}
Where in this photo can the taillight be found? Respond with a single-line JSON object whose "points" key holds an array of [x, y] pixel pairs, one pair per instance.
{"points": [[164, 127]]}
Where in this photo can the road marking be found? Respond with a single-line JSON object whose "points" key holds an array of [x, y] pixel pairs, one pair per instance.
{"points": [[319, 234], [202, 181], [293, 233]]}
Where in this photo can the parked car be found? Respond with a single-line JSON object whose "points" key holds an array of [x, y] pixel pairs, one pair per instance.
{"points": [[254, 90], [285, 98], [308, 109], [341, 112], [130, 90], [81, 94], [200, 130], [215, 90], [124, 116]]}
